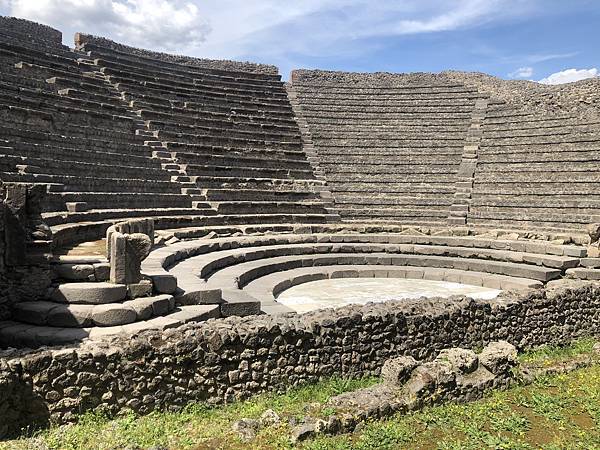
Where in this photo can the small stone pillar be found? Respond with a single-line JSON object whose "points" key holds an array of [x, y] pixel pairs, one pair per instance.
{"points": [[127, 251]]}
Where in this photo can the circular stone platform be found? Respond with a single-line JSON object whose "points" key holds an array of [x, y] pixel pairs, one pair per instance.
{"points": [[335, 293]]}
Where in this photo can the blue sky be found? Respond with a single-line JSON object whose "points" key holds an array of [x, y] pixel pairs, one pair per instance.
{"points": [[549, 40]]}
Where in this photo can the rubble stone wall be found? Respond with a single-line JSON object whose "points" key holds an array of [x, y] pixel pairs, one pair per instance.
{"points": [[81, 39], [581, 97], [25, 245], [37, 31], [226, 359], [4, 310]]}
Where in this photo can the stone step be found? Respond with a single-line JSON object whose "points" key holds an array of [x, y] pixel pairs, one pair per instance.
{"points": [[81, 270], [16, 334], [584, 273], [87, 315], [90, 293]]}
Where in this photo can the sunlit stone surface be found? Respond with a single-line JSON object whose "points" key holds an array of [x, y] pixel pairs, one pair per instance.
{"points": [[344, 291]]}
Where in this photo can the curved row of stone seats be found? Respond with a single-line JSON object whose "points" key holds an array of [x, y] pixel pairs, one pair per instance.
{"points": [[87, 140], [216, 124], [269, 287], [18, 334], [72, 228], [390, 148], [536, 170], [198, 270]]}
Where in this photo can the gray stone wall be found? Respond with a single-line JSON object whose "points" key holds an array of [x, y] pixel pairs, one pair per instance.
{"points": [[25, 245], [365, 79], [581, 97], [225, 359], [81, 39], [4, 309], [37, 31]]}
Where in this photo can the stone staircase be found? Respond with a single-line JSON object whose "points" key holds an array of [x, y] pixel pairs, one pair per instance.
{"points": [[390, 150], [459, 210]]}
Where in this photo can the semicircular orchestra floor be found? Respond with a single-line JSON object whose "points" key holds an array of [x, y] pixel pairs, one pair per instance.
{"points": [[335, 293]]}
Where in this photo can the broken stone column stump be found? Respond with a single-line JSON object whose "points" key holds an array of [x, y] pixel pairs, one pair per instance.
{"points": [[127, 251]]}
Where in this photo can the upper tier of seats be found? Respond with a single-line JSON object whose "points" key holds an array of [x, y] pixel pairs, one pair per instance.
{"points": [[536, 171], [454, 146], [390, 146], [117, 133]]}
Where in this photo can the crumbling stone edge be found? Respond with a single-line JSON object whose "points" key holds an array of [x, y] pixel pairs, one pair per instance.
{"points": [[216, 64], [455, 375], [230, 359]]}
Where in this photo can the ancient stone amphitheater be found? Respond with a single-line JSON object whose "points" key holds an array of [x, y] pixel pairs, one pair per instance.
{"points": [[238, 186]]}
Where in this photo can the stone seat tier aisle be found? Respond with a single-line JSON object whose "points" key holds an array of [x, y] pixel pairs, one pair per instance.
{"points": [[74, 185], [186, 136], [88, 138], [176, 83], [190, 150], [254, 110], [118, 200], [248, 172], [218, 126], [74, 228], [56, 152], [241, 160], [113, 61], [137, 91], [168, 91], [50, 166]]}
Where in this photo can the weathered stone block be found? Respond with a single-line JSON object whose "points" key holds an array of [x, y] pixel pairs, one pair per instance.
{"points": [[396, 371], [498, 357]]}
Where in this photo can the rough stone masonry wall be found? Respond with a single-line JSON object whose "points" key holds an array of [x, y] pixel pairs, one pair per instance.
{"points": [[365, 79], [81, 39], [4, 309], [224, 359], [25, 244], [14, 25], [581, 97]]}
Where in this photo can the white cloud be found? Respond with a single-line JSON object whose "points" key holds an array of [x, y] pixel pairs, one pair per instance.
{"points": [[159, 24], [522, 72], [266, 27], [570, 75]]}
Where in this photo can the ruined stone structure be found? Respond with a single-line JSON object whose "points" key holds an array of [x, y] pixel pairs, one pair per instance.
{"points": [[216, 187]]}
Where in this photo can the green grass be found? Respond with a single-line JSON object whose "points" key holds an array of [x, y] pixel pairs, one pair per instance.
{"points": [[547, 354], [556, 412]]}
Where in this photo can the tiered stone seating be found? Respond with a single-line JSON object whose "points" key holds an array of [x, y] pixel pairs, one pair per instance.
{"points": [[230, 135], [82, 143], [390, 146], [261, 266], [536, 171]]}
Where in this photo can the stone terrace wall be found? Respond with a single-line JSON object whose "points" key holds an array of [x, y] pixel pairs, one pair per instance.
{"points": [[581, 97], [224, 359], [25, 245], [4, 309], [37, 31], [81, 39], [368, 79]]}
